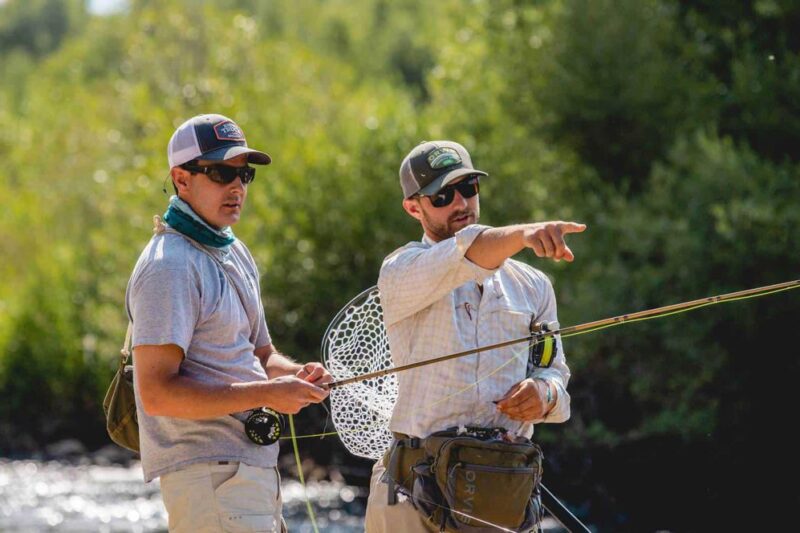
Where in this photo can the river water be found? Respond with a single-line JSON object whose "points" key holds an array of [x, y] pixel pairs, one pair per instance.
{"points": [[48, 496]]}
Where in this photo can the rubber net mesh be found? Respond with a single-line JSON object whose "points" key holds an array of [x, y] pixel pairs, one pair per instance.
{"points": [[354, 345]]}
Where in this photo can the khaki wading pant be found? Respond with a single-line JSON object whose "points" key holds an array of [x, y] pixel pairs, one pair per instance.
{"points": [[223, 496], [384, 518]]}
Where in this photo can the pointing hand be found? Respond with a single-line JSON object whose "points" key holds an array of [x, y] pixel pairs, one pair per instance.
{"points": [[547, 239]]}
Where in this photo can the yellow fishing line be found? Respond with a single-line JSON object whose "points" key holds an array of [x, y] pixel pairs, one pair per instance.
{"points": [[300, 474]]}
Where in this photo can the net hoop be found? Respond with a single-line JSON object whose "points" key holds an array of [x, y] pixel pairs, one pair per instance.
{"points": [[354, 344]]}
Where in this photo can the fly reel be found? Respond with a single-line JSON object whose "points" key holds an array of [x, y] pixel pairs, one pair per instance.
{"points": [[543, 348], [263, 426]]}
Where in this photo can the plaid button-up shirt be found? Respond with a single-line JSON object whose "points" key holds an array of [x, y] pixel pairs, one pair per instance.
{"points": [[436, 302]]}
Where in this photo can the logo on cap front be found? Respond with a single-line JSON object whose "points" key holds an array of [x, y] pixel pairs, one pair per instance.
{"points": [[443, 158], [228, 131]]}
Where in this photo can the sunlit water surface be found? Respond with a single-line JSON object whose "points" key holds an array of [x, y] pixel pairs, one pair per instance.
{"points": [[51, 496]]}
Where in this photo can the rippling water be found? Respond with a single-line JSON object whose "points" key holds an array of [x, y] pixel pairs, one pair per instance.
{"points": [[38, 496]]}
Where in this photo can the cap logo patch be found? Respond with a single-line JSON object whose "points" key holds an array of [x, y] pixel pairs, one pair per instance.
{"points": [[228, 131], [443, 158]]}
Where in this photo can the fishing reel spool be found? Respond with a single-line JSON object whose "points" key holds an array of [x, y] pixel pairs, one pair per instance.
{"points": [[543, 348], [263, 426]]}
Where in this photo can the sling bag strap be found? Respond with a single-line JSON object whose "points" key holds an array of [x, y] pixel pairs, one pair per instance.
{"points": [[125, 352]]}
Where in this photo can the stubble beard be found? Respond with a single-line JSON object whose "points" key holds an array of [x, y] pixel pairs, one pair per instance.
{"points": [[449, 229]]}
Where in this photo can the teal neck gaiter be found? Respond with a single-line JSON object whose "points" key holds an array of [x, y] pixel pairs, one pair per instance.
{"points": [[181, 217]]}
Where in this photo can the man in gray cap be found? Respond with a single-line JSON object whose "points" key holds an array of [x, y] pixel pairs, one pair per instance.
{"points": [[455, 290], [210, 383]]}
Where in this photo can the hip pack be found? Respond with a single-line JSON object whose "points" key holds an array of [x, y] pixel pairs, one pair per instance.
{"points": [[467, 482]]}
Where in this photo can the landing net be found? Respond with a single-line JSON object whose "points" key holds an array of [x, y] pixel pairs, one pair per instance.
{"points": [[355, 344]]}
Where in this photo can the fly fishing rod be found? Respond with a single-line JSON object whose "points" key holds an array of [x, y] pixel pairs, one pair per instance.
{"points": [[540, 333]]}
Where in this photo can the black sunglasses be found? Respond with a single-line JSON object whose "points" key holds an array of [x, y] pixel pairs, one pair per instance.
{"points": [[223, 174], [467, 188]]}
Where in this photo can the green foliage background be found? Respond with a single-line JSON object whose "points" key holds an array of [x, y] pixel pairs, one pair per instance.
{"points": [[669, 127]]}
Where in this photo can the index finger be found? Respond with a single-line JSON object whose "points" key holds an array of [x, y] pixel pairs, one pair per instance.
{"points": [[571, 227]]}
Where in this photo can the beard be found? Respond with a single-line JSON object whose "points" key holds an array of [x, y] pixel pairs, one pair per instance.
{"points": [[456, 221]]}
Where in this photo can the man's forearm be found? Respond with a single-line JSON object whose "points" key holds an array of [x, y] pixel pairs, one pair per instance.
{"points": [[495, 245], [183, 397], [546, 239], [276, 364]]}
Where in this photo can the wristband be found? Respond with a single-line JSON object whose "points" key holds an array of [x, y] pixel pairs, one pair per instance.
{"points": [[549, 396]]}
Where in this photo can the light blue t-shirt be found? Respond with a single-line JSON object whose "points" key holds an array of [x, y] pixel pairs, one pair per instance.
{"points": [[179, 295]]}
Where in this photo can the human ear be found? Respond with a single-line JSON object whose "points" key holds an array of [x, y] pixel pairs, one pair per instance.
{"points": [[412, 207], [180, 179]]}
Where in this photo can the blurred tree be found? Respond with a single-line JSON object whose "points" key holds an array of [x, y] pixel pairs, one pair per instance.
{"points": [[50, 378], [39, 26], [751, 49], [611, 80]]}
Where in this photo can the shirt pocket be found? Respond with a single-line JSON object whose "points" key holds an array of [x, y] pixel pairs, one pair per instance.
{"points": [[504, 320]]}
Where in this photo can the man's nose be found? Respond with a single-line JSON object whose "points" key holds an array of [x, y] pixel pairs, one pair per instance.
{"points": [[459, 200]]}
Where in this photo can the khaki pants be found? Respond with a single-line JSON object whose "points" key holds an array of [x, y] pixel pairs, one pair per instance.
{"points": [[223, 497], [384, 518]]}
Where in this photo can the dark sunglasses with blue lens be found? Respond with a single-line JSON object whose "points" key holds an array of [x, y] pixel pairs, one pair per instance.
{"points": [[223, 174], [467, 188]]}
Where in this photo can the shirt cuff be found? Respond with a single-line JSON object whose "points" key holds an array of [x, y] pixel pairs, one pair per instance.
{"points": [[560, 411]]}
